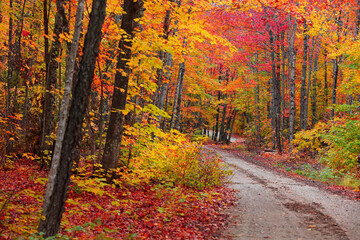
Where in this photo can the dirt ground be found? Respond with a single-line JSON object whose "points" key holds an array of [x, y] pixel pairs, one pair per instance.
{"points": [[272, 206]]}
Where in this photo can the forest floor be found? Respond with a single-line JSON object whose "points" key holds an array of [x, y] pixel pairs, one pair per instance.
{"points": [[273, 203], [97, 210]]}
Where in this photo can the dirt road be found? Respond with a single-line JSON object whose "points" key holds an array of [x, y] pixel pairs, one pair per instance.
{"points": [[271, 206]]}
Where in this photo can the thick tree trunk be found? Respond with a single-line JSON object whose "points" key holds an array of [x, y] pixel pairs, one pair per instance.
{"points": [[47, 121], [303, 78], [69, 73], [116, 123], [55, 197]]}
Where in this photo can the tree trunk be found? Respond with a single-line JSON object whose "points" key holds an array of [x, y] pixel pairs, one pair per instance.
{"points": [[336, 63], [164, 57], [306, 101], [292, 59], [116, 123], [276, 92], [326, 88], [314, 118], [216, 134], [222, 125], [277, 102], [303, 78], [257, 103], [47, 123], [335, 80], [178, 93], [10, 66], [232, 124], [17, 57], [283, 85], [178, 106], [69, 73], [55, 197]]}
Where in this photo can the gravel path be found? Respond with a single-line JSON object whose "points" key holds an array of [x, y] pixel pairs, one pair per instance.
{"points": [[271, 206]]}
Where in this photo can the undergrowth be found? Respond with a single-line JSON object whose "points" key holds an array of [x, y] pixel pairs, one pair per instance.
{"points": [[168, 189]]}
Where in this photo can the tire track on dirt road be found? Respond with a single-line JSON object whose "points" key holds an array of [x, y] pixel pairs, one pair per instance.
{"points": [[271, 206]]}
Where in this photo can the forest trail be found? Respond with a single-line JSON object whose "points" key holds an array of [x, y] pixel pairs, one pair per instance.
{"points": [[271, 206]]}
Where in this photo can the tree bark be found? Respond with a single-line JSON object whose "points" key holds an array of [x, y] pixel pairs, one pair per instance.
{"points": [[292, 59], [314, 117], [178, 106], [56, 192], [335, 81], [336, 63], [326, 88], [69, 73], [303, 78], [276, 92], [178, 95], [116, 123], [222, 137], [10, 66], [232, 124], [306, 101], [47, 123], [165, 57]]}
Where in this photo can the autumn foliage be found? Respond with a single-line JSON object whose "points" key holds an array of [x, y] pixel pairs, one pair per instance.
{"points": [[282, 73]]}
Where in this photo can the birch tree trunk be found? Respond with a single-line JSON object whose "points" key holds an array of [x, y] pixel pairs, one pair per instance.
{"points": [[69, 73], [56, 194]]}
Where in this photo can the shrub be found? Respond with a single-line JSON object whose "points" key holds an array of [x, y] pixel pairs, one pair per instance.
{"points": [[170, 158], [337, 142]]}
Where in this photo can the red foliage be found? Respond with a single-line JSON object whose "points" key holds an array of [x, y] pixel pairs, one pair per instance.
{"points": [[25, 33], [145, 212]]}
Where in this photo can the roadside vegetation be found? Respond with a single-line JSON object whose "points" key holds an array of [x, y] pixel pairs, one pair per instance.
{"points": [[169, 189]]}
